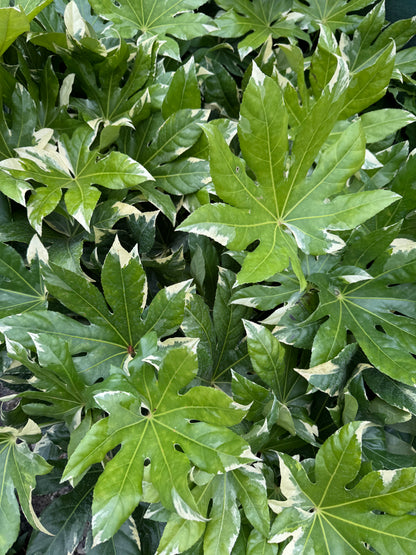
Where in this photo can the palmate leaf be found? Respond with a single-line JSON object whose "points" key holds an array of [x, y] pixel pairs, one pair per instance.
{"points": [[18, 470], [21, 289], [260, 18], [160, 143], [155, 17], [75, 167], [153, 423], [245, 486], [108, 102], [377, 306], [57, 390], [112, 336], [287, 207], [325, 515], [335, 14]]}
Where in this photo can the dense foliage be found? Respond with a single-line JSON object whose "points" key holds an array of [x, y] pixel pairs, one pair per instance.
{"points": [[207, 277]]}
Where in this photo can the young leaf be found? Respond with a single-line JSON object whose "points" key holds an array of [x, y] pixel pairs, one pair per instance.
{"points": [[75, 167], [114, 87], [112, 336], [153, 423], [18, 470], [328, 515], [150, 17], [285, 209], [378, 124]]}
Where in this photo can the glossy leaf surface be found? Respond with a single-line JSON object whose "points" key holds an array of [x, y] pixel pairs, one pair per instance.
{"points": [[324, 514], [154, 424]]}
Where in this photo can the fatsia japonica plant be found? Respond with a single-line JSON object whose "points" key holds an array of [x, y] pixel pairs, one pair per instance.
{"points": [[207, 277]]}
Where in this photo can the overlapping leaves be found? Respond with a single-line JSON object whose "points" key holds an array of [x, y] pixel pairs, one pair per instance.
{"points": [[287, 206], [157, 426], [323, 512], [112, 335], [73, 166], [260, 18], [18, 470], [335, 15], [152, 17], [378, 308], [245, 485]]}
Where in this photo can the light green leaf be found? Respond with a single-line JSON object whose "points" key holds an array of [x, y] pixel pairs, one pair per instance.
{"points": [[13, 22], [259, 545], [378, 124], [368, 307], [183, 91], [149, 419], [260, 18], [18, 470], [285, 208], [33, 7], [112, 335], [245, 485], [369, 81], [152, 17], [328, 515], [75, 167], [334, 15]]}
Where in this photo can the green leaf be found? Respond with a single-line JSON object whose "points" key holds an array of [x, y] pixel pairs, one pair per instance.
{"points": [[224, 493], [150, 17], [260, 18], [334, 15], [13, 22], [369, 81], [58, 391], [149, 419], [285, 209], [66, 518], [183, 91], [378, 124], [112, 336], [327, 514], [18, 470], [258, 545], [75, 167], [115, 87], [21, 290], [220, 337], [379, 309], [17, 129], [160, 146]]}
